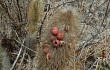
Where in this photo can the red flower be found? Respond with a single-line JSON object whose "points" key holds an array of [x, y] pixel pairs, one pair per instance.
{"points": [[55, 31], [60, 36], [56, 43]]}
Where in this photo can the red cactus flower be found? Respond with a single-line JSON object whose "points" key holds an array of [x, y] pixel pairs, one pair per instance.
{"points": [[55, 31], [60, 36], [56, 43]]}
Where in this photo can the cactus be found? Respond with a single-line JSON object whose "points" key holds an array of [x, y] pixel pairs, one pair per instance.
{"points": [[34, 12], [4, 59], [61, 56]]}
